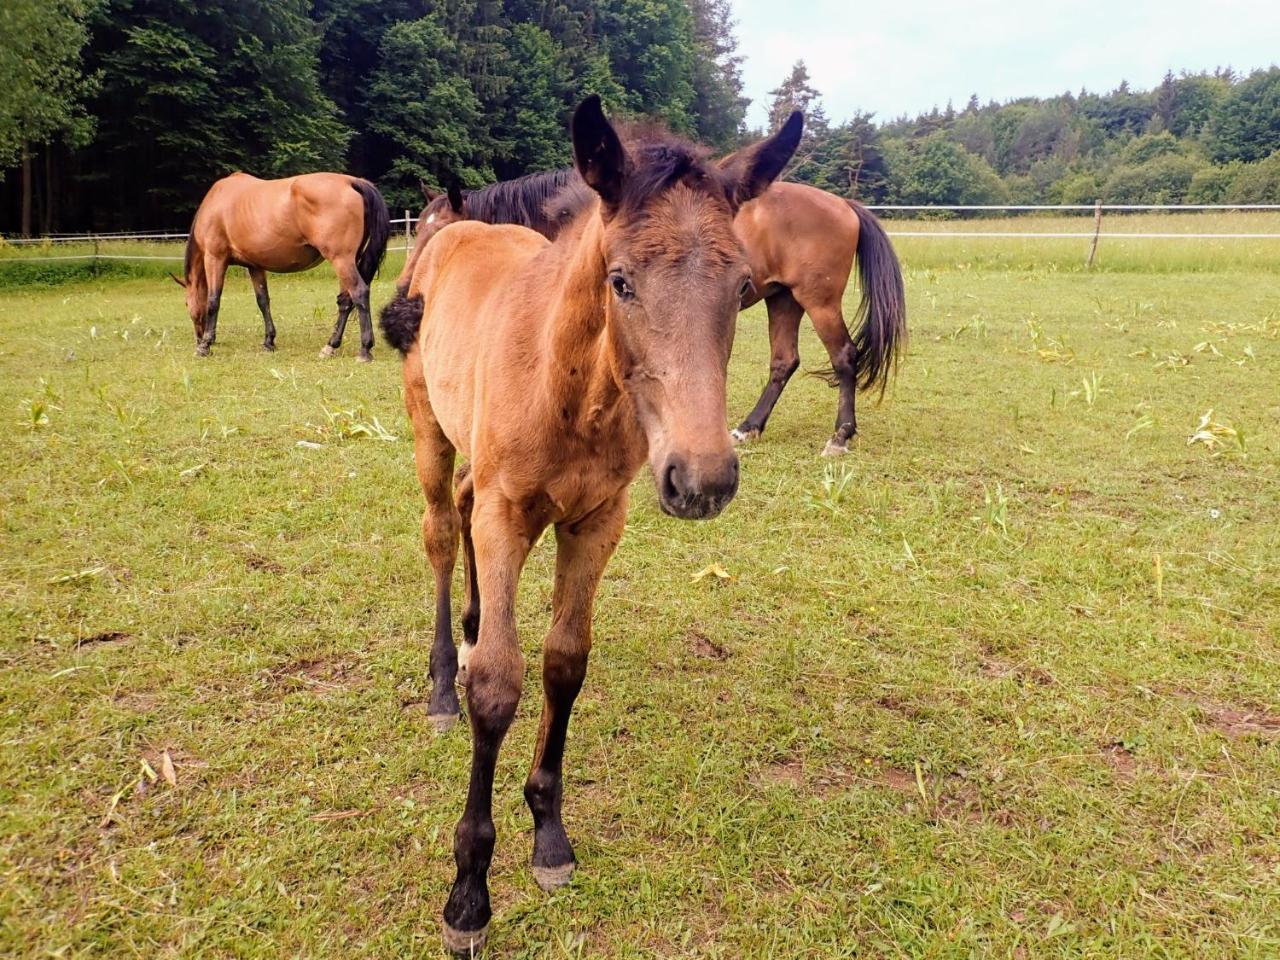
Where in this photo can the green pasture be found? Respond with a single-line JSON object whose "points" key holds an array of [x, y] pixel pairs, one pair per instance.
{"points": [[1003, 682]]}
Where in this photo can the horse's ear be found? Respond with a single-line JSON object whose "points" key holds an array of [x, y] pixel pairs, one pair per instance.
{"points": [[426, 191], [455, 196], [597, 151], [181, 283], [757, 167]]}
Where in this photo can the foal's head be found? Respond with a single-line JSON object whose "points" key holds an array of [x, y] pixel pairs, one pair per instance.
{"points": [[675, 275]]}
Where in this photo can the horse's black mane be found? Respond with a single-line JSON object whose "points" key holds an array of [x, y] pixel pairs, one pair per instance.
{"points": [[547, 202], [521, 201]]}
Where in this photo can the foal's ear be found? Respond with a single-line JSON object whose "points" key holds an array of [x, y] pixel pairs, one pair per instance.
{"points": [[455, 196], [758, 166], [597, 151], [181, 283]]}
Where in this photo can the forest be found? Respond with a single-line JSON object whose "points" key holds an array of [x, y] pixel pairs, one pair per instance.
{"points": [[118, 114]]}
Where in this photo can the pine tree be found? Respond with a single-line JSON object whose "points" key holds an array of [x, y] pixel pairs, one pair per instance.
{"points": [[718, 104]]}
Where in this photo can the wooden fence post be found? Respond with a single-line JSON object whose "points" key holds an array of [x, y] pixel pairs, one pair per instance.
{"points": [[406, 233], [1097, 229]]}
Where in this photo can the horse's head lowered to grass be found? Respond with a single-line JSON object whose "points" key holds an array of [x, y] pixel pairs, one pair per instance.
{"points": [[675, 274]]}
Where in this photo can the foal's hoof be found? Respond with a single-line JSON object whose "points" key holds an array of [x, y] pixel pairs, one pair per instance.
{"points": [[741, 436], [465, 943], [269, 347], [553, 878], [833, 449], [327, 351], [443, 722], [202, 349], [365, 357]]}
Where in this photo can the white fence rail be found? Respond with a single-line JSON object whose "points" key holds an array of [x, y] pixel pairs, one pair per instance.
{"points": [[403, 227]]}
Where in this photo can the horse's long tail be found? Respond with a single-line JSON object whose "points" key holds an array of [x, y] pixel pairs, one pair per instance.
{"points": [[377, 229], [400, 320], [883, 310]]}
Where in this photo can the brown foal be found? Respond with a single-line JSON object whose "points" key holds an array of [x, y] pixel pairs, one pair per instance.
{"points": [[800, 242], [557, 370], [283, 226]]}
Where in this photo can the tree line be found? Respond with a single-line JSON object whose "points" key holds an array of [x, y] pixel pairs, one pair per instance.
{"points": [[118, 114], [1196, 138], [124, 111]]}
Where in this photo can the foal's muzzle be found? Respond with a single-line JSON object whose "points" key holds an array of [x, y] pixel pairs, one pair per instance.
{"points": [[697, 488]]}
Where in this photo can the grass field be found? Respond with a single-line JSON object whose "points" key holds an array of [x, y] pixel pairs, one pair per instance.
{"points": [[1001, 683]]}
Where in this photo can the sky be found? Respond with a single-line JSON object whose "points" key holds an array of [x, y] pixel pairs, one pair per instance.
{"points": [[905, 56]]}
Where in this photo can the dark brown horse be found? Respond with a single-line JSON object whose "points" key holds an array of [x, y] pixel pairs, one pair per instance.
{"points": [[557, 370], [801, 244], [283, 226]]}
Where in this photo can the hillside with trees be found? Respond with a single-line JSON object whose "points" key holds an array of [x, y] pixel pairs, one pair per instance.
{"points": [[118, 114], [1196, 138]]}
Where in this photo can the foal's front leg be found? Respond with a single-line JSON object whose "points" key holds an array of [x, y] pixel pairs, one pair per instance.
{"points": [[583, 550], [495, 673]]}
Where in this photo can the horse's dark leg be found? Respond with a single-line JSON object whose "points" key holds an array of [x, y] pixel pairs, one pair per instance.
{"points": [[583, 549], [784, 338], [495, 674], [828, 321], [433, 456], [259, 278], [215, 270], [345, 306], [465, 499], [361, 297]]}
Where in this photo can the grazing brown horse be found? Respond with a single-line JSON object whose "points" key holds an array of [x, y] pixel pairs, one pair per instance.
{"points": [[283, 226], [800, 242], [557, 370]]}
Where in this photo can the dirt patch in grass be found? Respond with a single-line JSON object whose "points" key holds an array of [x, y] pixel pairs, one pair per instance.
{"points": [[1120, 760], [704, 648], [1234, 720], [1024, 673], [255, 561], [320, 676], [1238, 722], [105, 637]]}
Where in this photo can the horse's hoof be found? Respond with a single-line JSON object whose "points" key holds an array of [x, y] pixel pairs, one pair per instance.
{"points": [[443, 722], [365, 358], [269, 347], [202, 350], [327, 351], [741, 437], [551, 879], [833, 449], [465, 943]]}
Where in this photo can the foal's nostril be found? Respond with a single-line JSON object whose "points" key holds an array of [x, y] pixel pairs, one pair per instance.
{"points": [[670, 489]]}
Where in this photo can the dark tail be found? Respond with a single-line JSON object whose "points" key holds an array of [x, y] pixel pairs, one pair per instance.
{"points": [[377, 229], [400, 320], [882, 314]]}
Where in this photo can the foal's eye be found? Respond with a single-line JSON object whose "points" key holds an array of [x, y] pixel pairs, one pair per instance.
{"points": [[746, 288], [621, 288]]}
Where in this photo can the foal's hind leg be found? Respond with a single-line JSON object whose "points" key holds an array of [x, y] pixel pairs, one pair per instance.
{"points": [[465, 500], [582, 550], [357, 293], [434, 455], [259, 278], [784, 337], [828, 321]]}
